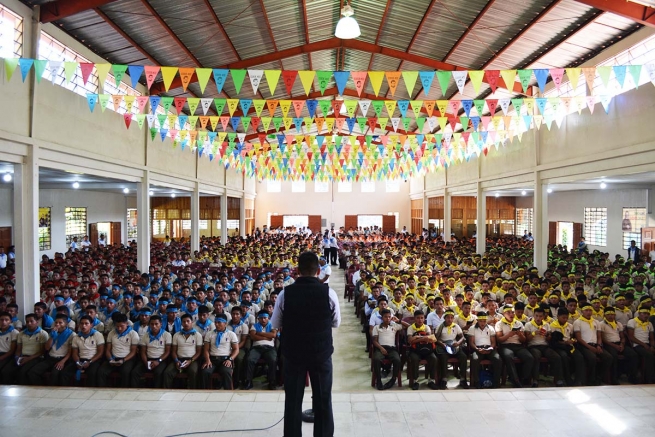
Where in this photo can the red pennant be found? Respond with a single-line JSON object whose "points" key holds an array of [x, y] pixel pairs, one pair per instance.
{"points": [[151, 74], [128, 119], [179, 104], [362, 140], [254, 122], [491, 77], [492, 104], [485, 151], [372, 122], [262, 139], [289, 77], [336, 106], [453, 121], [86, 68]]}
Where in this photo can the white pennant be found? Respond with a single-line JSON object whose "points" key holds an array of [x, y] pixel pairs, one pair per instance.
{"points": [[650, 69], [206, 104], [504, 105], [447, 136], [591, 103], [460, 79], [55, 68], [363, 106], [432, 122], [241, 136], [538, 119], [395, 122], [151, 120], [255, 79]]}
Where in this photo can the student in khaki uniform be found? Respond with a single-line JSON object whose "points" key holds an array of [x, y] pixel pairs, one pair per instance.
{"points": [[614, 342], [510, 335], [450, 338], [187, 348], [587, 333], [262, 335], [59, 352], [563, 342], [155, 348], [421, 347], [220, 349], [29, 350], [384, 343], [88, 349], [538, 334], [122, 343], [640, 334], [8, 336], [482, 343], [242, 331]]}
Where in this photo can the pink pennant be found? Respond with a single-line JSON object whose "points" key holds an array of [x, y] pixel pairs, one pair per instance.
{"points": [[298, 105], [151, 74], [225, 120], [359, 77], [557, 74], [453, 106], [339, 122], [141, 102]]}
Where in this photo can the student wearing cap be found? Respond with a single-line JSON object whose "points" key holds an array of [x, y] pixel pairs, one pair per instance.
{"points": [[262, 335], [220, 349], [640, 334], [155, 348], [422, 345], [88, 349], [187, 348], [384, 343], [564, 344], [482, 343], [122, 343], [450, 338], [588, 335], [59, 351], [538, 335], [510, 335], [614, 342]]}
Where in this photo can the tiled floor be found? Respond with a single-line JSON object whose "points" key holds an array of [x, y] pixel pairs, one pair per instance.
{"points": [[359, 410]]}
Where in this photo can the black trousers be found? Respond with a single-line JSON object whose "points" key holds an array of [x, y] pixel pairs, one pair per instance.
{"points": [[141, 369], [326, 254], [35, 376], [320, 375], [334, 252]]}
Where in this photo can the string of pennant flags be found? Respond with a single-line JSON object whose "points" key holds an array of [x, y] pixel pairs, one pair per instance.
{"points": [[495, 78]]}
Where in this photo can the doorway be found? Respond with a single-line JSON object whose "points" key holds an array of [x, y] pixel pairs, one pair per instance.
{"points": [[565, 234], [104, 229]]}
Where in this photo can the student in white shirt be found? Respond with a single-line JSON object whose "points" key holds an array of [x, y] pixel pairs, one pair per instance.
{"points": [[326, 271], [86, 243], [614, 342], [122, 343], [155, 348], [102, 241], [59, 352], [221, 347], [538, 334], [482, 343], [640, 333], [262, 335], [187, 348], [449, 345], [587, 333], [384, 342], [8, 336]]}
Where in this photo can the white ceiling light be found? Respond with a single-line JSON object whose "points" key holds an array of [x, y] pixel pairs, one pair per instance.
{"points": [[76, 185], [6, 177], [603, 185], [347, 27], [150, 193], [550, 190], [497, 195], [126, 190], [523, 193], [173, 195]]}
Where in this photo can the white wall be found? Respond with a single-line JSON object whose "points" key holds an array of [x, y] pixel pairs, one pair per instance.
{"points": [[332, 206], [6, 206]]}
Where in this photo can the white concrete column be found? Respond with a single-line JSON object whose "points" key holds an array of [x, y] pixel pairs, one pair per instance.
{"points": [[195, 218], [224, 219], [481, 219], [242, 217], [426, 212], [540, 231], [143, 225], [26, 233], [447, 215]]}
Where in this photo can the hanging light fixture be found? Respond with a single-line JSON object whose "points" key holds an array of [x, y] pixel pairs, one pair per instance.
{"points": [[347, 27]]}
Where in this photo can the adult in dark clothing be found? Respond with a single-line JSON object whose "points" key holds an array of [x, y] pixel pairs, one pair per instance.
{"points": [[306, 311], [634, 253]]}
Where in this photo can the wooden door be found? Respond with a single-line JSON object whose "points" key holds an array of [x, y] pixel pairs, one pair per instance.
{"points": [[577, 234], [93, 233], [115, 231], [388, 223], [350, 222], [277, 221], [314, 223], [5, 237], [647, 241], [552, 233]]}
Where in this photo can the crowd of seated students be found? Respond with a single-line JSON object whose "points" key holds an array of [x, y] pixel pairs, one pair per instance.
{"points": [[586, 321]]}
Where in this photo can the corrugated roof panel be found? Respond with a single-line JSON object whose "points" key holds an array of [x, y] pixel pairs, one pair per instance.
{"points": [[322, 16], [446, 22], [287, 24], [402, 22], [368, 14], [243, 21]]}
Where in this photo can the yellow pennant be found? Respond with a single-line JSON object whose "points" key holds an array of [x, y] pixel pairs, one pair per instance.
{"points": [[288, 122], [329, 122], [129, 102], [193, 104], [307, 79], [232, 105], [203, 77], [574, 75], [168, 74], [272, 77], [509, 76], [410, 80], [442, 105], [285, 105], [476, 79], [391, 107], [103, 70], [376, 80], [214, 122]]}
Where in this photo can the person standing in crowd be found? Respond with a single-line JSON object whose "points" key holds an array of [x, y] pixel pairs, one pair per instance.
{"points": [[306, 312]]}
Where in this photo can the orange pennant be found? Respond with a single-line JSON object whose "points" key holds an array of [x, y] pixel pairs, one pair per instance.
{"points": [[393, 77], [186, 74]]}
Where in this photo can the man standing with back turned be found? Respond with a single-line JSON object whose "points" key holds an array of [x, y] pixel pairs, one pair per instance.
{"points": [[307, 310]]}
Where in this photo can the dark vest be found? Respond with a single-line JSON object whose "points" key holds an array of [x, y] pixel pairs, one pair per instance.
{"points": [[307, 320]]}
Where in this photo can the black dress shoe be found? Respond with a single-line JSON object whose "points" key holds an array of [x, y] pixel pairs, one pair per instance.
{"points": [[247, 385], [415, 386], [389, 384], [463, 384], [433, 385], [379, 385]]}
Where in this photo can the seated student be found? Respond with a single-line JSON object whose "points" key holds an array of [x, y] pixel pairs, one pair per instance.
{"points": [[482, 343], [589, 338], [155, 348], [510, 336], [203, 325], [96, 324], [88, 349], [187, 347], [220, 349], [614, 342], [262, 335], [242, 331], [640, 334], [422, 345], [384, 343], [623, 313], [142, 325], [563, 342], [172, 324], [465, 320], [449, 345], [120, 352], [44, 321], [29, 351], [59, 352], [8, 336], [12, 309], [538, 334], [436, 317]]}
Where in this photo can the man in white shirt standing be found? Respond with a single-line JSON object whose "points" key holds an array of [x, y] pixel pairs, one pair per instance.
{"points": [[326, 271], [3, 261]]}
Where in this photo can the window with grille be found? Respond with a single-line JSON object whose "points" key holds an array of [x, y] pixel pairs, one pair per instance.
{"points": [[44, 228], [11, 34], [159, 227], [202, 224], [132, 224], [595, 226], [75, 224], [523, 221]]}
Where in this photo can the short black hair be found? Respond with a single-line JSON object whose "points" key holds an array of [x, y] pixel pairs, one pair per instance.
{"points": [[155, 317], [307, 264], [119, 318], [186, 316]]}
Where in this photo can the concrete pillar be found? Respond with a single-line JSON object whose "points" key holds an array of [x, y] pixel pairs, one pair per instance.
{"points": [[481, 219], [447, 215], [224, 219], [242, 217], [540, 231], [26, 233], [195, 218], [426, 212], [143, 225]]}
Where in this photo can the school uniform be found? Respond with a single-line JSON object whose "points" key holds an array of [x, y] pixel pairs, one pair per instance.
{"points": [[449, 334], [120, 345], [7, 338], [623, 316], [539, 347], [481, 338], [588, 329], [465, 322], [186, 350], [642, 333], [241, 329], [415, 357], [31, 344], [61, 346], [611, 334], [155, 347], [87, 348], [511, 348], [264, 349], [435, 320], [572, 360], [387, 339], [220, 349]]}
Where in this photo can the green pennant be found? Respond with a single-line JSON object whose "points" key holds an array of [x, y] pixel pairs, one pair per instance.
{"points": [[237, 78], [39, 68], [517, 103], [162, 120], [406, 122], [277, 122], [369, 138], [382, 121], [361, 122], [464, 121], [166, 103], [337, 140], [308, 122], [246, 122], [220, 104], [524, 77], [325, 105], [153, 133], [69, 70], [119, 71], [416, 107], [420, 122], [444, 80], [266, 122], [377, 107], [10, 67], [103, 99], [259, 106], [604, 73], [409, 77], [323, 78], [479, 106], [231, 137], [635, 72]]}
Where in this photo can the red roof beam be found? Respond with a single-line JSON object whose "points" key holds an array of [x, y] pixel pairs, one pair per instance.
{"points": [[636, 12], [57, 10]]}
